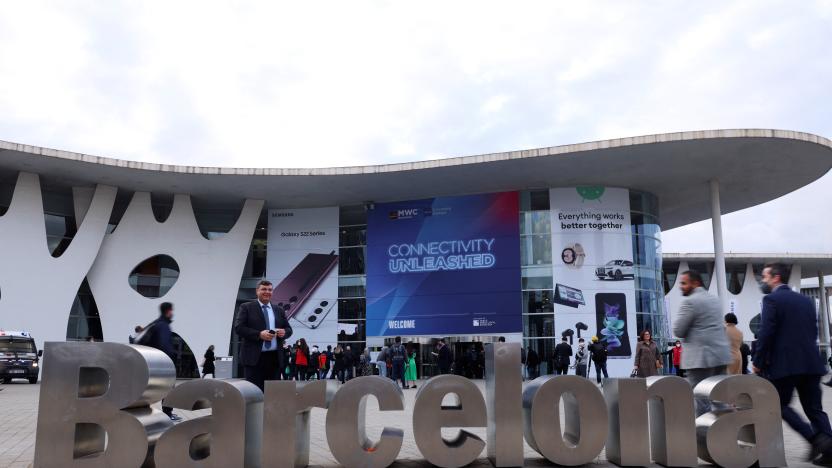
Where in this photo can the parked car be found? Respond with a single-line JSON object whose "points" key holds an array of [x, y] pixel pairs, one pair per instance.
{"points": [[19, 357], [616, 269]]}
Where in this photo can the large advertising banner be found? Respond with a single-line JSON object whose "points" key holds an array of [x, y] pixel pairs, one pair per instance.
{"points": [[593, 270], [444, 266], [302, 262]]}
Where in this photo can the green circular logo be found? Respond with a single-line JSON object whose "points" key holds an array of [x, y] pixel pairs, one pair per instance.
{"points": [[590, 193]]}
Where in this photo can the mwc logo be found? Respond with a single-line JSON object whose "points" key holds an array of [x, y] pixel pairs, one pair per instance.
{"points": [[404, 214]]}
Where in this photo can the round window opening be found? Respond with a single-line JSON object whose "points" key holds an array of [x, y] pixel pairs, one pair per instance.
{"points": [[154, 277]]}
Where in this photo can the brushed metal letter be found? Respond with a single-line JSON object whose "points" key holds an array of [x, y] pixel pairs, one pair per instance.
{"points": [[503, 387], [94, 404], [672, 440], [430, 416], [346, 429], [229, 436], [754, 432], [585, 414], [286, 445]]}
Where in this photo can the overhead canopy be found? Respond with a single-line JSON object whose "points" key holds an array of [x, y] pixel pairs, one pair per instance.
{"points": [[752, 167], [810, 263]]}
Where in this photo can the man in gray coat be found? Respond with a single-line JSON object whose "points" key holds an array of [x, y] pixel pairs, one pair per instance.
{"points": [[699, 323]]}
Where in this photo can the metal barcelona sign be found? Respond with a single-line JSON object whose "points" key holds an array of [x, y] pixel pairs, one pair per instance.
{"points": [[95, 411]]}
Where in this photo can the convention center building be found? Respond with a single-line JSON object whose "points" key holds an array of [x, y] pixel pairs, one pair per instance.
{"points": [[530, 245]]}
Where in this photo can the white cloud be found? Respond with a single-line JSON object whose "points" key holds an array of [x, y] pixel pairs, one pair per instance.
{"points": [[345, 83]]}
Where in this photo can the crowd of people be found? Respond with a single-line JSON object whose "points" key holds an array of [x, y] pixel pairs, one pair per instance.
{"points": [[784, 351]]}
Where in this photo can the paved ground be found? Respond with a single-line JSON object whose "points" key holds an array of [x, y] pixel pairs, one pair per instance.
{"points": [[18, 417]]}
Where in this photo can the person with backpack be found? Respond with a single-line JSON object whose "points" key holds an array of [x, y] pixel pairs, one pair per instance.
{"points": [[301, 360], [398, 356], [314, 363], [157, 334], [598, 353]]}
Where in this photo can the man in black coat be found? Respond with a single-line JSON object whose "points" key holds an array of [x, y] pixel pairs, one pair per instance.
{"points": [[263, 330], [563, 353], [444, 358], [159, 335]]}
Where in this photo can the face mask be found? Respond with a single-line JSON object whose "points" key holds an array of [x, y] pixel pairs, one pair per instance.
{"points": [[678, 346], [765, 288]]}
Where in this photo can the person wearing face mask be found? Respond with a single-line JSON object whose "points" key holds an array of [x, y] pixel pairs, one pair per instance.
{"points": [[699, 323], [675, 354], [786, 353], [581, 358]]}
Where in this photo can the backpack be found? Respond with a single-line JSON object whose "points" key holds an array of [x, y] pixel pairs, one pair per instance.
{"points": [[398, 353], [322, 361], [599, 354], [144, 337]]}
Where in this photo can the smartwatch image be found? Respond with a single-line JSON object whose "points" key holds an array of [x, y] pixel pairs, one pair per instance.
{"points": [[573, 255]]}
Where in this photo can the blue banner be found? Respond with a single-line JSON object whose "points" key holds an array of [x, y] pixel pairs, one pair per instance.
{"points": [[444, 266]]}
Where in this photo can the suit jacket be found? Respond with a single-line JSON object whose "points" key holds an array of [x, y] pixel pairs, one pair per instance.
{"points": [[701, 326], [444, 359], [250, 322], [787, 337]]}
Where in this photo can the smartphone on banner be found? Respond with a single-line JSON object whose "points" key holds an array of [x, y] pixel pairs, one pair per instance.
{"points": [[291, 293], [611, 320], [313, 313]]}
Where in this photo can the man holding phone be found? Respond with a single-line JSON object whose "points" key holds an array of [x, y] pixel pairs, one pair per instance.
{"points": [[263, 330]]}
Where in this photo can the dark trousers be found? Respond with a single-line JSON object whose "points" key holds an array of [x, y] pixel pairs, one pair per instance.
{"points": [[561, 369], [580, 369], [398, 372], [599, 368], [809, 393], [266, 369], [694, 376]]}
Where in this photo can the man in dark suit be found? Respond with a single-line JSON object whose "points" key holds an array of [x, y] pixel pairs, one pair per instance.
{"points": [[787, 354], [444, 359], [263, 330], [563, 353]]}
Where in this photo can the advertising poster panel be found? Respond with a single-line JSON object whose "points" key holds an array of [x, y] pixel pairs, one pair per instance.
{"points": [[593, 270], [444, 266], [302, 262]]}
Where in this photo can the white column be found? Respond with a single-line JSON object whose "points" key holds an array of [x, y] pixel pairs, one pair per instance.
{"points": [[823, 316], [719, 253]]}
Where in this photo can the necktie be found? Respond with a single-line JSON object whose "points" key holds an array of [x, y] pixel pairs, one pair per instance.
{"points": [[268, 344]]}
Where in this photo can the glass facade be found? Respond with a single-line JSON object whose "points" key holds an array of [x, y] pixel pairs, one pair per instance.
{"points": [[649, 276], [537, 282]]}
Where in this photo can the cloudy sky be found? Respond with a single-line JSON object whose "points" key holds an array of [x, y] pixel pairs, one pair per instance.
{"points": [[311, 84]]}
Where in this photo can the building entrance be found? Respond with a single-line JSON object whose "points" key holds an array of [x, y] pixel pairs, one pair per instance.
{"points": [[467, 354]]}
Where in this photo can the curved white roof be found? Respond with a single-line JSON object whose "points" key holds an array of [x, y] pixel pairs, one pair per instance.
{"points": [[752, 165]]}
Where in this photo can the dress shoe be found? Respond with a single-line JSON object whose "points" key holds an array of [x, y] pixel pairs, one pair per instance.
{"points": [[821, 444]]}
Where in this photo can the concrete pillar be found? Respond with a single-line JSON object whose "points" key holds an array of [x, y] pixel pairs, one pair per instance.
{"points": [[719, 252], [823, 317]]}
